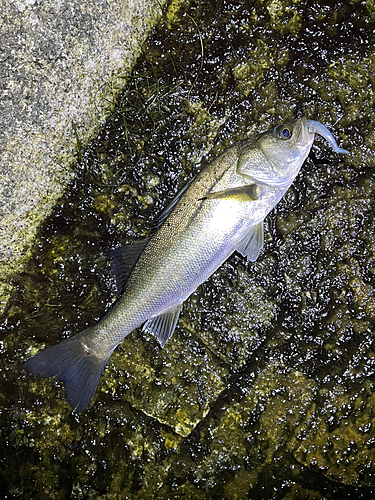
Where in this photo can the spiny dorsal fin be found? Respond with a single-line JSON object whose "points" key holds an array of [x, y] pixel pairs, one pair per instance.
{"points": [[165, 213]]}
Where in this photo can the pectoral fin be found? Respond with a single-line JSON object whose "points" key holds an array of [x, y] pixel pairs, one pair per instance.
{"points": [[163, 326], [242, 193], [252, 243]]}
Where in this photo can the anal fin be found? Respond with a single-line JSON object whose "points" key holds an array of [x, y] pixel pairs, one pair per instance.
{"points": [[163, 326]]}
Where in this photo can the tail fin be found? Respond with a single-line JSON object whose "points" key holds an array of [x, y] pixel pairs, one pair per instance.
{"points": [[70, 362]]}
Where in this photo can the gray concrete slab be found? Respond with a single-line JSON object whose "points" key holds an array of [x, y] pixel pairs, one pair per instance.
{"points": [[62, 63]]}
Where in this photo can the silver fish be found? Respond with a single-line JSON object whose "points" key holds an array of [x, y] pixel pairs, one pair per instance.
{"points": [[219, 212]]}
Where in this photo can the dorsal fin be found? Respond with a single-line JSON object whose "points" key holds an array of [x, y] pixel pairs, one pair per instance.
{"points": [[124, 259]]}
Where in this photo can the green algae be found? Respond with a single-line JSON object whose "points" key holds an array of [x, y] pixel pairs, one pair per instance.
{"points": [[5, 294], [252, 431], [284, 17], [247, 311], [266, 388], [162, 384], [339, 441]]}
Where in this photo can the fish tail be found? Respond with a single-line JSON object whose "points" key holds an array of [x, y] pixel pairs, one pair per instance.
{"points": [[73, 363]]}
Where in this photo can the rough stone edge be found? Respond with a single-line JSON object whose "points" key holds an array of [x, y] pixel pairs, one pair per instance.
{"points": [[32, 147]]}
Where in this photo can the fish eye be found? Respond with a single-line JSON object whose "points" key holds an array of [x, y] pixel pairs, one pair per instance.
{"points": [[284, 133]]}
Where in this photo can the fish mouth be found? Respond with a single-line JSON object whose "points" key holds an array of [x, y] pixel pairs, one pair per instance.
{"points": [[305, 136]]}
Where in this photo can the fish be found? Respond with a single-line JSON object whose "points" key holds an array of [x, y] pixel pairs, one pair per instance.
{"points": [[217, 213]]}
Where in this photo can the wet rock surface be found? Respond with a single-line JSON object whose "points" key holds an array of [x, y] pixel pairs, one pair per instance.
{"points": [[266, 390]]}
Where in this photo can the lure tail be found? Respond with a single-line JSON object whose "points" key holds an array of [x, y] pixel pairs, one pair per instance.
{"points": [[73, 363]]}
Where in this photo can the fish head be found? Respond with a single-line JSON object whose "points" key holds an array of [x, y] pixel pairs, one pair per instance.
{"points": [[284, 149], [276, 156]]}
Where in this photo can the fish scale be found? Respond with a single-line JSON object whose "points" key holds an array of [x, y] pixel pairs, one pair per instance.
{"points": [[219, 212]]}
